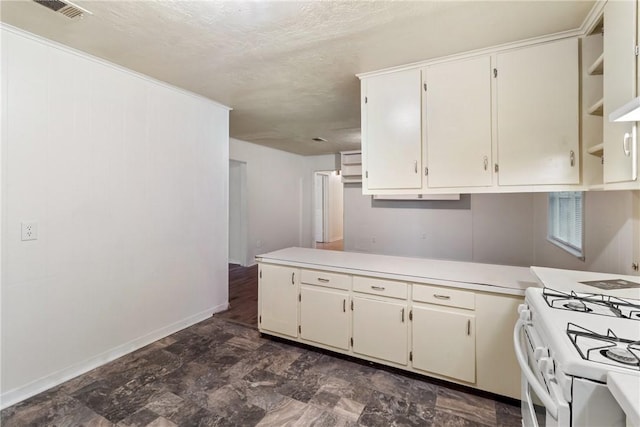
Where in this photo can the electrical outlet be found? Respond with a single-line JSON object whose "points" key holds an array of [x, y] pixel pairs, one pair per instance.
{"points": [[29, 230]]}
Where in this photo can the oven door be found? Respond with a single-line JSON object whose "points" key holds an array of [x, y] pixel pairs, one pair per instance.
{"points": [[543, 404]]}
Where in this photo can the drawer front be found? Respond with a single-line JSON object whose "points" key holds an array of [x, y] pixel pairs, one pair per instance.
{"points": [[326, 279], [387, 288], [444, 296], [351, 170]]}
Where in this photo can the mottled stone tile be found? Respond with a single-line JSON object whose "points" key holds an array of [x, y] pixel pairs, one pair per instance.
{"points": [[141, 418], [317, 417], [190, 348], [264, 397], [245, 343], [302, 388], [192, 381], [161, 422], [508, 415], [473, 408], [115, 403], [382, 410], [239, 330], [442, 418], [246, 415], [348, 408], [343, 388], [285, 414], [403, 387], [324, 399], [42, 409]]}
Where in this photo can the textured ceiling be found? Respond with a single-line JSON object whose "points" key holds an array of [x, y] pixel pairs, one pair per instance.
{"points": [[288, 68]]}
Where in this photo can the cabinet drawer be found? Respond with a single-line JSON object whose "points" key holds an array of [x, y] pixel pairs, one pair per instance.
{"points": [[387, 288], [323, 278], [444, 296]]}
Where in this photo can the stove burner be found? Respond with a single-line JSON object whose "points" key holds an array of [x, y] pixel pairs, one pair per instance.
{"points": [[621, 355], [577, 305]]}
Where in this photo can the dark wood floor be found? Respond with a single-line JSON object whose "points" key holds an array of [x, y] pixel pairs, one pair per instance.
{"points": [[243, 295]]}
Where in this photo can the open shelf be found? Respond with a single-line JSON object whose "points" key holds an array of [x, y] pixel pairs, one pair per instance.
{"points": [[598, 66], [596, 150], [596, 109]]}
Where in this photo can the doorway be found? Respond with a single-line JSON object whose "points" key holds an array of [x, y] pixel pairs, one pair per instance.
{"points": [[238, 213], [328, 210]]}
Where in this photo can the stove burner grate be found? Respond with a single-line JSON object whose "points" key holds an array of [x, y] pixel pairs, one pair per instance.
{"points": [[607, 349], [603, 305]]}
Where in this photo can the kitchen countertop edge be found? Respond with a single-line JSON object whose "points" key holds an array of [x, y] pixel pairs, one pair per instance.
{"points": [[419, 270]]}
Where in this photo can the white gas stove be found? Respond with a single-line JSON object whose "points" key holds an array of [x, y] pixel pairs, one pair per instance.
{"points": [[567, 343]]}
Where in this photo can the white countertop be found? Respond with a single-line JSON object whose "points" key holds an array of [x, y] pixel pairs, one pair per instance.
{"points": [[468, 275], [569, 280], [626, 390]]}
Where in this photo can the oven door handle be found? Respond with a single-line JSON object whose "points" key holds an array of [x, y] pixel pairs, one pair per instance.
{"points": [[541, 391]]}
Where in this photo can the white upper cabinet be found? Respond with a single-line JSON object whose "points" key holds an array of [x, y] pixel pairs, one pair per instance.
{"points": [[537, 114], [392, 145], [619, 87], [458, 123]]}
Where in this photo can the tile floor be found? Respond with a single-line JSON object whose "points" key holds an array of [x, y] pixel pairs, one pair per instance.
{"points": [[222, 373]]}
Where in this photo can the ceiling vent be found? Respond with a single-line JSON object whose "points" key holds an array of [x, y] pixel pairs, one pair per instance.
{"points": [[66, 8]]}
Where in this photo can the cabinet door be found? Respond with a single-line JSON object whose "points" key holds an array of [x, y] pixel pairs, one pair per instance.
{"points": [[444, 343], [619, 87], [324, 317], [380, 329], [278, 290], [458, 123], [391, 142], [537, 113]]}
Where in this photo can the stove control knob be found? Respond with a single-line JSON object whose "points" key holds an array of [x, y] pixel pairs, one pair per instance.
{"points": [[541, 352], [545, 364]]}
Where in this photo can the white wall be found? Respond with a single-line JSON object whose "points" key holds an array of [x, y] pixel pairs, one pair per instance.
{"points": [[237, 212], [495, 228], [127, 179], [335, 195], [279, 196]]}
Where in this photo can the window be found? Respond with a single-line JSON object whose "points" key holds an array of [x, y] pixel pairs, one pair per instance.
{"points": [[565, 220]]}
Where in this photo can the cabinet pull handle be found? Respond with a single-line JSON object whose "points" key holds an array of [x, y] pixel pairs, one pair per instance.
{"points": [[626, 145], [441, 296], [377, 288], [403, 315], [486, 162], [344, 305], [293, 278], [415, 166], [320, 279], [572, 158], [469, 327]]}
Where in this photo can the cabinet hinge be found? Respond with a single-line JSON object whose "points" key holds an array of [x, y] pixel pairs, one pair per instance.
{"points": [[425, 87], [299, 329], [426, 171], [366, 99], [261, 274], [495, 72], [351, 305], [496, 168], [299, 297], [410, 314], [259, 319], [366, 174], [352, 342], [411, 356], [637, 49]]}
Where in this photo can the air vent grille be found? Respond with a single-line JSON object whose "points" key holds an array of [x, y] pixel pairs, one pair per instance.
{"points": [[66, 8]]}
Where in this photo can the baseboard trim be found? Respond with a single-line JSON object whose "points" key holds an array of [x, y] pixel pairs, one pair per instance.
{"points": [[19, 394]]}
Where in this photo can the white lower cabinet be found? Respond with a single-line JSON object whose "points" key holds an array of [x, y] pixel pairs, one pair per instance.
{"points": [[444, 342], [458, 334], [324, 316], [278, 288], [380, 329]]}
